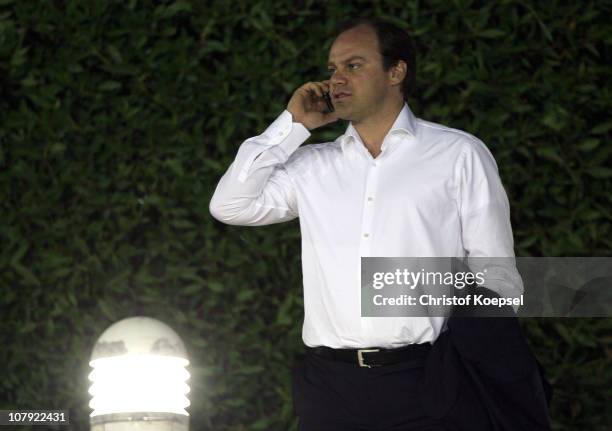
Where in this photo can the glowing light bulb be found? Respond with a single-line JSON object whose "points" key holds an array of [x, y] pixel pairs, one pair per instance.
{"points": [[139, 380]]}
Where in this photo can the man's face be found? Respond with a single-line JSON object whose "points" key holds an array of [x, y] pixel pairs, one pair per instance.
{"points": [[359, 84]]}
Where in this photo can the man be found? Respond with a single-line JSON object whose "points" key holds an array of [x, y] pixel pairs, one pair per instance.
{"points": [[392, 185]]}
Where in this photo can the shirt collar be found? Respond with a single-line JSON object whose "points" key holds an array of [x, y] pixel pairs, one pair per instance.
{"points": [[405, 123]]}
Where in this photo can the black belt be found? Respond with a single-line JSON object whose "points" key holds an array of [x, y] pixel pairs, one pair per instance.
{"points": [[374, 357]]}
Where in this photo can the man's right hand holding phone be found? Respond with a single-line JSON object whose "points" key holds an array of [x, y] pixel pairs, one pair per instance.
{"points": [[307, 105]]}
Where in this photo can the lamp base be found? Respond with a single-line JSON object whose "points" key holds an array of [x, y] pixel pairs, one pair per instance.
{"points": [[141, 421]]}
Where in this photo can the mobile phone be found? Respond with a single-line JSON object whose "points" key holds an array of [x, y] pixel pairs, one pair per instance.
{"points": [[328, 102]]}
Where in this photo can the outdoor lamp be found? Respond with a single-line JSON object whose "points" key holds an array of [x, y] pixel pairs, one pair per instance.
{"points": [[139, 380]]}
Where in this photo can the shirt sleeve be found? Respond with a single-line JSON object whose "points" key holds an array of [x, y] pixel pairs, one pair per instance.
{"points": [[256, 188], [485, 222]]}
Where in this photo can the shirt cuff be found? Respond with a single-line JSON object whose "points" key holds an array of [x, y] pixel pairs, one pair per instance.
{"points": [[286, 134], [276, 144]]}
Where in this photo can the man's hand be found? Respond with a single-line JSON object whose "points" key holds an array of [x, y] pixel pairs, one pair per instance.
{"points": [[307, 105]]}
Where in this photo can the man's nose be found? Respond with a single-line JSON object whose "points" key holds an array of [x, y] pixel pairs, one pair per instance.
{"points": [[338, 78]]}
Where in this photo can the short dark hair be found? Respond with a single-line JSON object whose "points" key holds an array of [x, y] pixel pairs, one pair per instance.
{"points": [[394, 44]]}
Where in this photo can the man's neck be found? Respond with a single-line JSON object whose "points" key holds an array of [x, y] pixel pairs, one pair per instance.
{"points": [[374, 129]]}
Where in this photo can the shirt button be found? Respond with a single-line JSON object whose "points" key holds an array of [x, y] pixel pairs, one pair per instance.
{"points": [[370, 198], [280, 133], [365, 235]]}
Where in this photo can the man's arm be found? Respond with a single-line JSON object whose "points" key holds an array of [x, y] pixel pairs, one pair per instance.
{"points": [[485, 221], [256, 189]]}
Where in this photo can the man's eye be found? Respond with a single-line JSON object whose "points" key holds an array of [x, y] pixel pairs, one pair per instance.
{"points": [[350, 66]]}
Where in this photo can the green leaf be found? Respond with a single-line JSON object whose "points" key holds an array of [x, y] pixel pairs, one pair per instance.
{"points": [[108, 311], [550, 154], [191, 289], [20, 253], [602, 128], [600, 172], [110, 86], [251, 369], [589, 145], [182, 224], [27, 275], [215, 286], [492, 33]]}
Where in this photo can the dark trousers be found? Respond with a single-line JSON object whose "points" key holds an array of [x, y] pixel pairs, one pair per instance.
{"points": [[339, 396]]}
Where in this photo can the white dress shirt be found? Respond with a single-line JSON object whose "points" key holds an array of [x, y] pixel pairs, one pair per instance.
{"points": [[433, 191]]}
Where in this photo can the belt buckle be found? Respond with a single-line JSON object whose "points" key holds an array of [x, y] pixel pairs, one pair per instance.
{"points": [[360, 353]]}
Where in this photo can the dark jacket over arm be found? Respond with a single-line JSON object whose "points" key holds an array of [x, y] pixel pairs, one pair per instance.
{"points": [[481, 374]]}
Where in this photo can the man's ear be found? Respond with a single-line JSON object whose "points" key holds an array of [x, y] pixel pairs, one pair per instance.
{"points": [[398, 72]]}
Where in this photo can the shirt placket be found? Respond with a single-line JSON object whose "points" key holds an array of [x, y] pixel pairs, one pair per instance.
{"points": [[367, 224], [369, 207], [370, 201]]}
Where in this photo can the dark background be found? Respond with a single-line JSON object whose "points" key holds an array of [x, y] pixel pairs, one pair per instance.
{"points": [[117, 119]]}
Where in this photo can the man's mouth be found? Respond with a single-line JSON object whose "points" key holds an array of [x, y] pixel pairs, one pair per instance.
{"points": [[341, 95]]}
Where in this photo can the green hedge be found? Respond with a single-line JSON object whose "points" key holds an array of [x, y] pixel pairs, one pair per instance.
{"points": [[117, 118]]}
